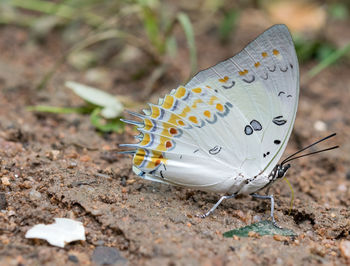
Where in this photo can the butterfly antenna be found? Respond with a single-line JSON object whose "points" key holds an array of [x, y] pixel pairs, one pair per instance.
{"points": [[291, 157]]}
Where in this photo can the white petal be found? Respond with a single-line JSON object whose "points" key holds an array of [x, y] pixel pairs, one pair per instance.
{"points": [[59, 233]]}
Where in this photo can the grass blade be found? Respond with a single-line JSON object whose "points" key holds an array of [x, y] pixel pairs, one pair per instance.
{"points": [[332, 58], [188, 29]]}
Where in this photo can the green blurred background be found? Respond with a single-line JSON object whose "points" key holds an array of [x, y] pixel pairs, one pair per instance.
{"points": [[155, 43]]}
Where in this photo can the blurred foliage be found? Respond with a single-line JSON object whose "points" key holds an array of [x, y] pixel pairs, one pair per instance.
{"points": [[150, 25], [104, 109], [312, 48], [339, 11], [146, 24]]}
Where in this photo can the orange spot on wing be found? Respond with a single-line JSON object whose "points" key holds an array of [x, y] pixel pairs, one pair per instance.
{"points": [[244, 72], [181, 123], [197, 90], [207, 113], [146, 139], [196, 102], [185, 111], [155, 111], [168, 144], [168, 102], [220, 107], [225, 79], [157, 162], [193, 119], [264, 54], [180, 92], [172, 119], [275, 52], [139, 157], [173, 131], [148, 124], [213, 99], [257, 64], [208, 86]]}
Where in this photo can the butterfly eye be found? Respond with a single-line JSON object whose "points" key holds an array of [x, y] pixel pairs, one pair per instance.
{"points": [[283, 170]]}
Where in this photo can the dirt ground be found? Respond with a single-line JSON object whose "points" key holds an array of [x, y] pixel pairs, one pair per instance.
{"points": [[59, 166]]}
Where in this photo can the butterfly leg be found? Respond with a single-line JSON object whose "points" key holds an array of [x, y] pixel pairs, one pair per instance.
{"points": [[216, 205], [270, 197]]}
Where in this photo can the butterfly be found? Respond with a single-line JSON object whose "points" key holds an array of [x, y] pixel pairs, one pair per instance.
{"points": [[227, 128]]}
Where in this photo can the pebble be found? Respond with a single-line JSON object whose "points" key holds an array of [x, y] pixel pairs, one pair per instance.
{"points": [[108, 255], [3, 202], [73, 258], [5, 181], [34, 195], [342, 188], [320, 125], [344, 247], [280, 238]]}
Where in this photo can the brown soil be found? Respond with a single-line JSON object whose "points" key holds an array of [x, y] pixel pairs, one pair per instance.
{"points": [[59, 166]]}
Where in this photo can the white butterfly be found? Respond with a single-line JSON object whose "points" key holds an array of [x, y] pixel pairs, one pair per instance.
{"points": [[226, 129]]}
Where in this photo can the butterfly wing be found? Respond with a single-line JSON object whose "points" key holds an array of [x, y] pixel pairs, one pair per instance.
{"points": [[230, 122], [262, 81]]}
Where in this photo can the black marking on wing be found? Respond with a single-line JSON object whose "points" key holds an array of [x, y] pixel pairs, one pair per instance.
{"points": [[277, 141], [181, 156], [187, 96], [196, 151], [229, 104], [265, 154], [154, 128], [162, 112], [279, 121], [273, 69], [215, 150], [229, 87], [256, 125], [248, 130], [284, 70], [289, 96], [164, 166], [225, 113], [176, 104], [161, 173], [249, 81], [279, 94], [213, 121], [291, 66]]}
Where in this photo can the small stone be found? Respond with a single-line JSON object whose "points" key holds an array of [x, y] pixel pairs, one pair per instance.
{"points": [[108, 255], [34, 195], [348, 175], [342, 188], [280, 238], [26, 184], [72, 165], [5, 181], [253, 234], [73, 258], [85, 158], [257, 218], [320, 125], [53, 155], [3, 202], [344, 247]]}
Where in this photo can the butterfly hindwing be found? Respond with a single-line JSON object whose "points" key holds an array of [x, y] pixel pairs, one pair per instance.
{"points": [[228, 124]]}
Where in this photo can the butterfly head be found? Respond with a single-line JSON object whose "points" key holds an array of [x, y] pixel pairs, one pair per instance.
{"points": [[282, 170]]}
